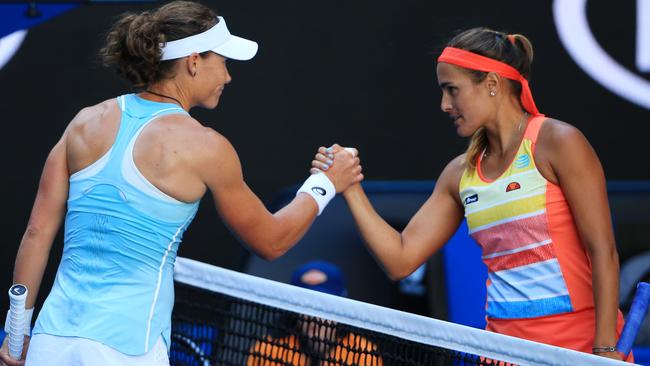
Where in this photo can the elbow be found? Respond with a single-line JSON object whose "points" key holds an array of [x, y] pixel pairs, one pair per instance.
{"points": [[35, 234], [394, 276], [397, 273], [32, 231], [399, 269], [603, 251], [270, 251], [270, 255]]}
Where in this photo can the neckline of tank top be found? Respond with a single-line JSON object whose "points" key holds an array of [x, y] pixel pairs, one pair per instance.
{"points": [[144, 101], [482, 177]]}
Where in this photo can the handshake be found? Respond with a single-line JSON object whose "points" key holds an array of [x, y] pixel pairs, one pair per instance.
{"points": [[334, 169]]}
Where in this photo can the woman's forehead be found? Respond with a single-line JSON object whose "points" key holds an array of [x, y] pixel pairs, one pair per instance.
{"points": [[450, 73]]}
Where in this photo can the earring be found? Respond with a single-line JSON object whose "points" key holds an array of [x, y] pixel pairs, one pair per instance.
{"points": [[492, 93]]}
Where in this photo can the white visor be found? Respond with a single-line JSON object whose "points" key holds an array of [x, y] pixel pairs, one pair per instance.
{"points": [[216, 39]]}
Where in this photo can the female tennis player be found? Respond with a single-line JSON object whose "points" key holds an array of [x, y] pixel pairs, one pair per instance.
{"points": [[533, 192], [128, 175]]}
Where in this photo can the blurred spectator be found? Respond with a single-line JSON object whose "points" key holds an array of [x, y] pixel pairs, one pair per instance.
{"points": [[311, 340]]}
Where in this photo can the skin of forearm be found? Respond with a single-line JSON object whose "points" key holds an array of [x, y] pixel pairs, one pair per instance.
{"points": [[286, 227], [383, 240], [31, 261], [605, 287]]}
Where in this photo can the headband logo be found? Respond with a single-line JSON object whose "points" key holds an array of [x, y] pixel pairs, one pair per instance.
{"points": [[574, 32]]}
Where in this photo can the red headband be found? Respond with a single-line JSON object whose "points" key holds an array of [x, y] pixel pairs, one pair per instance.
{"points": [[470, 60]]}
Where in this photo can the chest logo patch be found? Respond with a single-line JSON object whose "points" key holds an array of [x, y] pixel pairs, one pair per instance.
{"points": [[513, 186], [471, 199]]}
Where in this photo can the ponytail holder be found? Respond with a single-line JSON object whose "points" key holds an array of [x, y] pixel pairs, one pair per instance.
{"points": [[511, 38]]}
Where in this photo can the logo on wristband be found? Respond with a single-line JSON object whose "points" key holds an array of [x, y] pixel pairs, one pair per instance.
{"points": [[318, 190]]}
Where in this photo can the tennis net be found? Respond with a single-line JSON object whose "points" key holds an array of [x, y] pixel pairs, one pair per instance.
{"points": [[222, 317]]}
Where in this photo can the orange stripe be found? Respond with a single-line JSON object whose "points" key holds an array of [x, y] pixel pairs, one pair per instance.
{"points": [[538, 254]]}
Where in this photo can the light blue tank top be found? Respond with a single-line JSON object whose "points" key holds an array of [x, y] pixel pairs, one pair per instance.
{"points": [[115, 281]]}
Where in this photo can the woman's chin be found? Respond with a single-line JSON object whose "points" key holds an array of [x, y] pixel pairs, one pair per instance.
{"points": [[463, 132], [210, 104]]}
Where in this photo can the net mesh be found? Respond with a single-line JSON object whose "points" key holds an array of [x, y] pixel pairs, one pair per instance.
{"points": [[227, 318]]}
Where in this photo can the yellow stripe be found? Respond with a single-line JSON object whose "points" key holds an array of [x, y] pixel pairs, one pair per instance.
{"points": [[506, 210], [471, 178]]}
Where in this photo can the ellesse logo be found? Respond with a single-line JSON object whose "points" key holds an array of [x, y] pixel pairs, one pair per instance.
{"points": [[319, 190], [575, 33], [512, 186]]}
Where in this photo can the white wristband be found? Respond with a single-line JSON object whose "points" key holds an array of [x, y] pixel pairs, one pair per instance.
{"points": [[320, 188], [27, 329]]}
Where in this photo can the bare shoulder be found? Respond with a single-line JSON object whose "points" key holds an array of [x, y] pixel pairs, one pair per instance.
{"points": [[561, 147], [557, 134], [94, 113], [451, 175], [454, 169], [205, 141], [209, 150], [97, 123]]}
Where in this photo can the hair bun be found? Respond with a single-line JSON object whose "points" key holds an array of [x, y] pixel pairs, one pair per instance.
{"points": [[133, 44]]}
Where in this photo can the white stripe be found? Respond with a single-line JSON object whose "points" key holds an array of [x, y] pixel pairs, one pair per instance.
{"points": [[157, 292], [509, 219], [526, 272], [123, 103], [479, 208], [517, 250], [408, 326], [167, 109], [536, 279], [549, 296], [501, 180]]}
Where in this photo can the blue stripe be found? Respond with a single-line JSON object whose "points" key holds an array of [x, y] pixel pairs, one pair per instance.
{"points": [[529, 309]]}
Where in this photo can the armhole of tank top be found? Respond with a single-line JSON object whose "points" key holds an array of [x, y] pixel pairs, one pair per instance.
{"points": [[532, 134], [134, 176], [532, 131], [100, 163], [93, 168]]}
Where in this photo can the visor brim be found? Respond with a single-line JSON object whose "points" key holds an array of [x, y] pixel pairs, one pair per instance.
{"points": [[237, 48]]}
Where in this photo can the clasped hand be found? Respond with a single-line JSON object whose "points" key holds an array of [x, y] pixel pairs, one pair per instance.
{"points": [[340, 164]]}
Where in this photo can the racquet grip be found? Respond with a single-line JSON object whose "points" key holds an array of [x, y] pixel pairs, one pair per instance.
{"points": [[635, 318], [17, 298]]}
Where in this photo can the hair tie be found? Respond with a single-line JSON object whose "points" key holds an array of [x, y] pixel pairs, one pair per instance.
{"points": [[511, 38]]}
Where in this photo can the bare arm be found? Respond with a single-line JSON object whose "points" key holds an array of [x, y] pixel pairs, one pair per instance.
{"points": [[580, 175], [44, 222], [268, 235], [429, 229]]}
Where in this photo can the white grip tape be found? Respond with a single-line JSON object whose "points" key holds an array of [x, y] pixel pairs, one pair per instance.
{"points": [[18, 320], [320, 188]]}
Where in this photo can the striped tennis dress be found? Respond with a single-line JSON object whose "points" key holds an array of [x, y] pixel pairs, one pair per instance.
{"points": [[539, 274]]}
